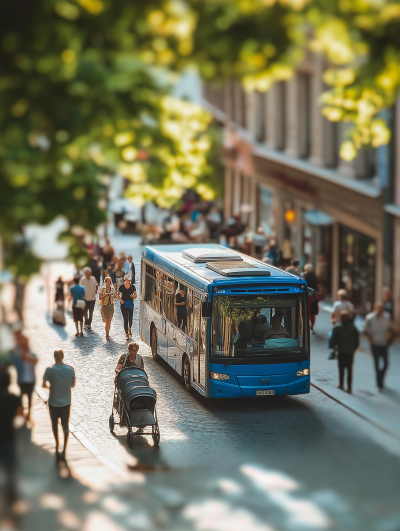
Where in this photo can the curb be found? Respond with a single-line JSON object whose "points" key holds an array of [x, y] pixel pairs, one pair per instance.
{"points": [[358, 413], [79, 436]]}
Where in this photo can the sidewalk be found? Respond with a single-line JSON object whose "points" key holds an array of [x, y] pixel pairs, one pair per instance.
{"points": [[381, 409]]}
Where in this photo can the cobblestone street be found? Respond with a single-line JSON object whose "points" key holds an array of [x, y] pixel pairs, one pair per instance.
{"points": [[275, 464]]}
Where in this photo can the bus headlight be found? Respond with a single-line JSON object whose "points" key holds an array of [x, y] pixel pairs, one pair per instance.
{"points": [[304, 372], [219, 376]]}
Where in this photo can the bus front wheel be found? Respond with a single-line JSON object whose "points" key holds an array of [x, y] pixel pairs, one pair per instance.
{"points": [[186, 373], [154, 353]]}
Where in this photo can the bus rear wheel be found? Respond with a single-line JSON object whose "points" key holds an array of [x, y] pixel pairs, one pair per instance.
{"points": [[153, 343], [186, 373]]}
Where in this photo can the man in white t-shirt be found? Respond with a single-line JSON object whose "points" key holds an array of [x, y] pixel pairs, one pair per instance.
{"points": [[90, 284], [341, 305], [380, 333]]}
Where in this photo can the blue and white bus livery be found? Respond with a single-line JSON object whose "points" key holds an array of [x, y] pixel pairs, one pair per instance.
{"points": [[230, 325]]}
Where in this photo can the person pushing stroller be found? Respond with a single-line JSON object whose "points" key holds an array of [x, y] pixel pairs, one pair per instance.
{"points": [[130, 359]]}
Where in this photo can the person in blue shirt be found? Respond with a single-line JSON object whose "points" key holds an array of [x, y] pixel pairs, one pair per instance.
{"points": [[77, 293]]}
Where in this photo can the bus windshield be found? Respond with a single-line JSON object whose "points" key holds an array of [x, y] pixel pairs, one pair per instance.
{"points": [[258, 326]]}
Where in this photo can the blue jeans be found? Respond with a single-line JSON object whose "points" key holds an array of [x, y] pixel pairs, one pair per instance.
{"points": [[378, 353]]}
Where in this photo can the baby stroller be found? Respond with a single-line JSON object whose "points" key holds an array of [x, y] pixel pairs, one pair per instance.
{"points": [[135, 404]]}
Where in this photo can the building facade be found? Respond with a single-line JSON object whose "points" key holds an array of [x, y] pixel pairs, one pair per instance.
{"points": [[283, 173]]}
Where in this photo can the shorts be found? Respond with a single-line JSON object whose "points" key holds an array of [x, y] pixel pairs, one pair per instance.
{"points": [[27, 388], [77, 314]]}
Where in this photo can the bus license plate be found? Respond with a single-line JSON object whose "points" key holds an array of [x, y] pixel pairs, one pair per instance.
{"points": [[268, 392]]}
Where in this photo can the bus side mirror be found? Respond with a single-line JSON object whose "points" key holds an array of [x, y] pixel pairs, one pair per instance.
{"points": [[314, 307], [206, 309]]}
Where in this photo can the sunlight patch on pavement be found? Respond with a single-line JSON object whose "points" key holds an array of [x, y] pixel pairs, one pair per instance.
{"points": [[51, 501], [214, 515], [229, 487], [69, 520], [113, 505], [277, 486], [97, 521]]}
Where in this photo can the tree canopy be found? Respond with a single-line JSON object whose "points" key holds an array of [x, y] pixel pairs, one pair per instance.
{"points": [[84, 93]]}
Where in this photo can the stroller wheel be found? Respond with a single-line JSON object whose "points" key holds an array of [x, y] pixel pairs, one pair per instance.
{"points": [[111, 423], [129, 439], [156, 435]]}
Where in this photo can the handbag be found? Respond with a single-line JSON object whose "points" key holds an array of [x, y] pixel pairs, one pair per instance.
{"points": [[80, 303]]}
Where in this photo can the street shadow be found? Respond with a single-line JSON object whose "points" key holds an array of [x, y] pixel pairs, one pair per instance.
{"points": [[60, 329], [392, 394], [47, 502]]}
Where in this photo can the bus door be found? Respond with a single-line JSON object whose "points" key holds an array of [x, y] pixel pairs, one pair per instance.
{"points": [[199, 344]]}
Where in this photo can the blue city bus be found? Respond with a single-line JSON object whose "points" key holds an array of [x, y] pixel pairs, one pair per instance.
{"points": [[230, 325]]}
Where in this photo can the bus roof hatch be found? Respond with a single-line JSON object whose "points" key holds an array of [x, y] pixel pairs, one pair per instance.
{"points": [[238, 269], [202, 255]]}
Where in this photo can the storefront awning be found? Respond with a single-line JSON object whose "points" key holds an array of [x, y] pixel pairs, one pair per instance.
{"points": [[392, 209], [317, 217]]}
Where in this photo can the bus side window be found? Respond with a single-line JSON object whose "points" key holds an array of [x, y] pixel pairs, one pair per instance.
{"points": [[180, 303], [300, 323], [158, 294], [168, 298], [150, 287], [189, 307]]}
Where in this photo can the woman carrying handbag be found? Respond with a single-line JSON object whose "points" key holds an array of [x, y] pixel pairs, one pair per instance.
{"points": [[106, 298]]}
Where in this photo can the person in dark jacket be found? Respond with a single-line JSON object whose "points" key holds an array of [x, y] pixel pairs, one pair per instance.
{"points": [[345, 337]]}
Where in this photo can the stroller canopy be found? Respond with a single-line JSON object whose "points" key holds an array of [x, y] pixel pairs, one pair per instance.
{"points": [[129, 371]]}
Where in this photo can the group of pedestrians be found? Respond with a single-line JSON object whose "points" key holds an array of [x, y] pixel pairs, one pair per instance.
{"points": [[345, 340], [110, 281]]}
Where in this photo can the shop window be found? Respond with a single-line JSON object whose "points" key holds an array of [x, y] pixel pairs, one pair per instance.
{"points": [[358, 268]]}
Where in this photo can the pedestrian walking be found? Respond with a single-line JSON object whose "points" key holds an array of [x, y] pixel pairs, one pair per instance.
{"points": [[294, 268], [107, 253], [25, 362], [312, 282], [77, 294], [345, 338], [126, 294], [380, 332], [118, 273], [94, 266], [273, 253], [129, 268], [107, 295], [10, 407], [91, 286], [130, 359], [61, 379], [387, 300], [60, 297], [341, 305]]}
